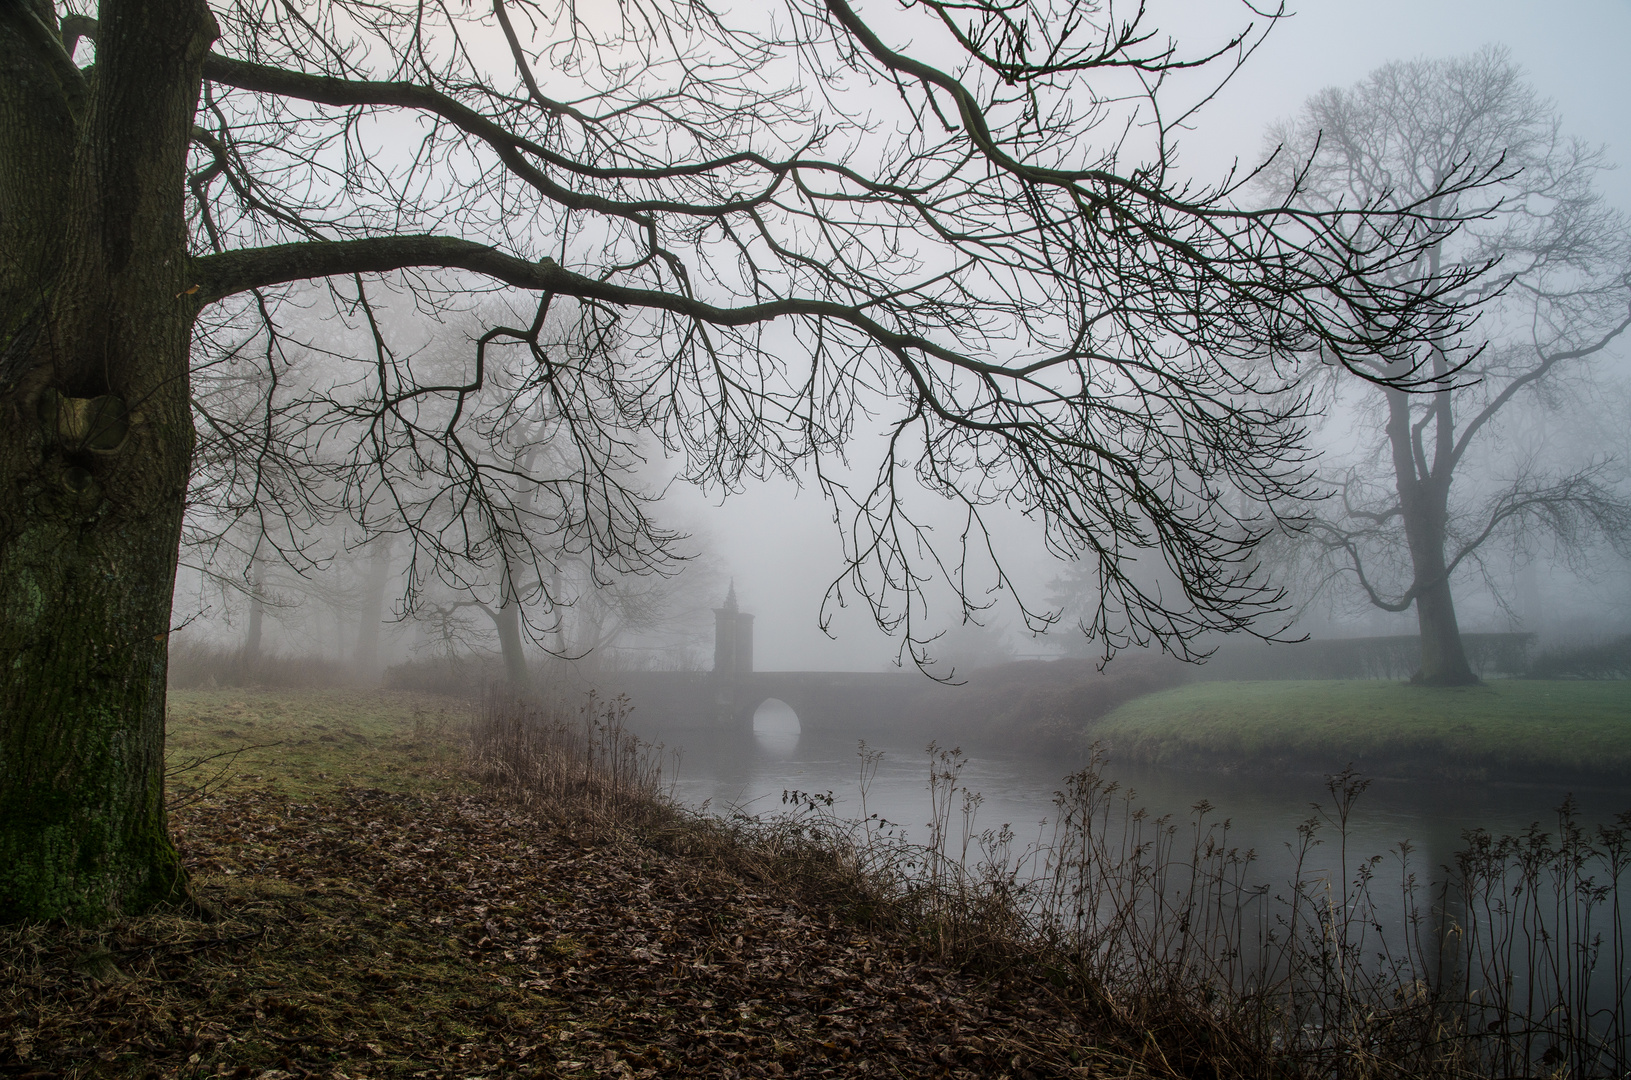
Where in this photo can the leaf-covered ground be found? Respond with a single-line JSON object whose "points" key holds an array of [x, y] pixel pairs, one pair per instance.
{"points": [[360, 931]]}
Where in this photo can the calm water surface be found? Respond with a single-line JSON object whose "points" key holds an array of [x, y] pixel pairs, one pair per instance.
{"points": [[750, 774]]}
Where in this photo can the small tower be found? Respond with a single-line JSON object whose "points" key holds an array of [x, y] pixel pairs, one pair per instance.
{"points": [[733, 638]]}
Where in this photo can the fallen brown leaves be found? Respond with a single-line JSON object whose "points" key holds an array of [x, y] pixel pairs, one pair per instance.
{"points": [[371, 933]]}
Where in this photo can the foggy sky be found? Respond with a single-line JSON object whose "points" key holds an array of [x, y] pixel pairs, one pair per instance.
{"points": [[781, 546]]}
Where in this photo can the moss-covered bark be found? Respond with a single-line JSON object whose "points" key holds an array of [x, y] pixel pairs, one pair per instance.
{"points": [[95, 444], [82, 825]]}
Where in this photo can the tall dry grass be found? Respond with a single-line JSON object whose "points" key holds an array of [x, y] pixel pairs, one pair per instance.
{"points": [[1511, 962], [540, 750]]}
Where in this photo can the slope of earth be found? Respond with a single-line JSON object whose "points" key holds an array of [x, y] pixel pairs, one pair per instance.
{"points": [[1508, 729], [362, 928]]}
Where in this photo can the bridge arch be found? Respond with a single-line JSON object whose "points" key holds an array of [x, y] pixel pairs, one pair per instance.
{"points": [[776, 718]]}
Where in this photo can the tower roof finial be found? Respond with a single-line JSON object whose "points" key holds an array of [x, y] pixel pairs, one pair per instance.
{"points": [[730, 597]]}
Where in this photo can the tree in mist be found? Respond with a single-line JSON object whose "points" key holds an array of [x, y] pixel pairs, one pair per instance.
{"points": [[258, 534], [969, 647], [586, 620], [371, 608], [1437, 479], [548, 563], [794, 228], [616, 620], [330, 606], [515, 575]]}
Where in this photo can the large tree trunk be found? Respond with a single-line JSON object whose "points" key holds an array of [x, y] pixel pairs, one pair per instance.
{"points": [[1443, 657], [94, 450], [1424, 500]]}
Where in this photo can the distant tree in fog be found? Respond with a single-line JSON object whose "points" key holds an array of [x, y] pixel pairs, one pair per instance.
{"points": [[533, 563], [795, 226], [970, 646], [639, 622], [1437, 475], [543, 537]]}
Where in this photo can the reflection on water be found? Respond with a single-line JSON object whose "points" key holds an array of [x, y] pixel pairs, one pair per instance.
{"points": [[749, 772]]}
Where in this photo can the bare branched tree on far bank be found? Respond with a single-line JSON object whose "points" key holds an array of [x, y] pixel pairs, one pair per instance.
{"points": [[1438, 478]]}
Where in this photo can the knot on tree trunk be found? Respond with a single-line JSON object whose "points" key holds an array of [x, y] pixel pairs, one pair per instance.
{"points": [[97, 424]]}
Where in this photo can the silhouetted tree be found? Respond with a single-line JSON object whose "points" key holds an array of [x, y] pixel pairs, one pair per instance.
{"points": [[537, 538], [1041, 319], [371, 610], [1413, 508]]}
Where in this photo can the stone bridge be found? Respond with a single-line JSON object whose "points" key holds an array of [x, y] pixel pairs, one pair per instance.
{"points": [[725, 699], [847, 702]]}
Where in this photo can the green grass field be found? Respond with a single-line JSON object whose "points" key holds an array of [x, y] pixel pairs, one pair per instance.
{"points": [[1506, 728], [297, 742]]}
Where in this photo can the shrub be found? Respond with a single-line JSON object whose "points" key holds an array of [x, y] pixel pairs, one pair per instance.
{"points": [[452, 676], [1594, 660], [201, 665]]}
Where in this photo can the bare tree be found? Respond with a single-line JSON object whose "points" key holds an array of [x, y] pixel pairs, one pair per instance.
{"points": [[371, 609], [549, 539], [1038, 311], [1429, 489]]}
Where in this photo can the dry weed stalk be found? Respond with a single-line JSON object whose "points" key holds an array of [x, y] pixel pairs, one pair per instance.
{"points": [[535, 750], [1512, 963]]}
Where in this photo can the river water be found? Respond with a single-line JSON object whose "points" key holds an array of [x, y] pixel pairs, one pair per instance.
{"points": [[753, 774], [1017, 788]]}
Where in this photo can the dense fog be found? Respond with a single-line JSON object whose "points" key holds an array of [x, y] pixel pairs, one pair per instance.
{"points": [[278, 581]]}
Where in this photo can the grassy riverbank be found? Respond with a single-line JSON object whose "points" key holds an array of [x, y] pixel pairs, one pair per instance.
{"points": [[373, 902], [1505, 729], [296, 744]]}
